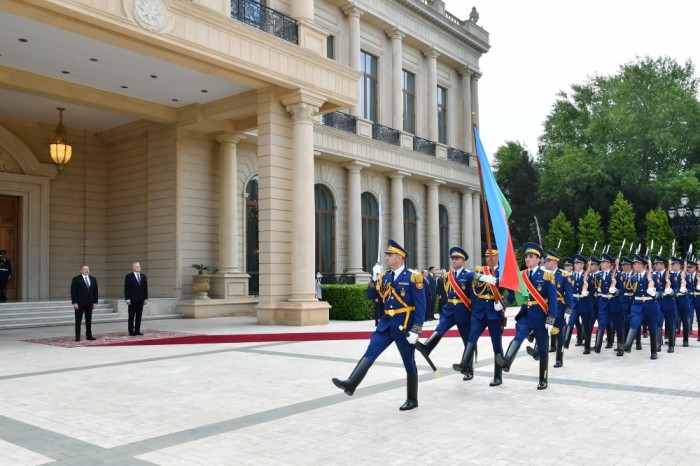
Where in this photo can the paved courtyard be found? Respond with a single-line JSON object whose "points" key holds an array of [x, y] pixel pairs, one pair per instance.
{"points": [[274, 403]]}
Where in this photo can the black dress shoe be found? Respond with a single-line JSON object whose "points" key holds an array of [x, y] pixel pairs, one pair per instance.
{"points": [[131, 334], [468, 376], [138, 333], [685, 343], [670, 349], [409, 404], [639, 346], [496, 382], [91, 338], [558, 363], [542, 385], [654, 356], [77, 339]]}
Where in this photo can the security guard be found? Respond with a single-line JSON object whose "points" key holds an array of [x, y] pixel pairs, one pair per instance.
{"points": [[582, 305], [537, 313], [682, 299], [404, 308], [457, 309], [644, 307], [5, 274], [487, 311]]}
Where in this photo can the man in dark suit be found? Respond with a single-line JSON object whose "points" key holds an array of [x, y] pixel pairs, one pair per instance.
{"points": [[83, 295], [429, 287], [136, 295]]}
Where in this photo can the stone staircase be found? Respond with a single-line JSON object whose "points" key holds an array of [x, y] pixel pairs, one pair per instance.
{"points": [[54, 313]]}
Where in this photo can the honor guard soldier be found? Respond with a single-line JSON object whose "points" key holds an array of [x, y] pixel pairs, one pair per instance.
{"points": [[5, 274], [457, 309], [582, 305], [537, 313], [669, 283], [569, 267], [487, 311], [682, 299], [565, 302], [644, 307], [693, 285], [403, 295], [609, 306], [627, 288]]}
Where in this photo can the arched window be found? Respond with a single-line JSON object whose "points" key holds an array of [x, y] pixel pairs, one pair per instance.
{"points": [[370, 231], [444, 239], [325, 230], [252, 242], [410, 233]]}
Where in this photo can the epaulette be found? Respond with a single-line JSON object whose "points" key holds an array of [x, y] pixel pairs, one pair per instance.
{"points": [[549, 276], [417, 278], [565, 273], [479, 269]]}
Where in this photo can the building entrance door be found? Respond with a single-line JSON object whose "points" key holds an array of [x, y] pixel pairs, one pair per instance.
{"points": [[9, 239]]}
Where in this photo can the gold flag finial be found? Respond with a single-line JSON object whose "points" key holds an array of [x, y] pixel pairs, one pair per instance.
{"points": [[474, 118]]}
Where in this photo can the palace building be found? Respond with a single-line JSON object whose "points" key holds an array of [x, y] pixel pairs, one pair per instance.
{"points": [[269, 140]]}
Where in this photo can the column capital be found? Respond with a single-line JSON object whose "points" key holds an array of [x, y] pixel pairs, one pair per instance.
{"points": [[466, 191], [356, 166], [434, 183], [351, 9], [465, 71], [398, 175], [228, 137], [302, 104], [395, 33], [430, 52]]}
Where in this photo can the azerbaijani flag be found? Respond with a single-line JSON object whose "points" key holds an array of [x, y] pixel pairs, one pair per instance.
{"points": [[499, 211]]}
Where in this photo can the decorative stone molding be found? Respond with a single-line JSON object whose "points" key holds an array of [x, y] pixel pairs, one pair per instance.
{"points": [[150, 14], [350, 9], [395, 33], [302, 112], [430, 52]]}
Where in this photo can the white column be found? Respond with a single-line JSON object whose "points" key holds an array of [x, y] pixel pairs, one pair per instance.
{"points": [[433, 229], [432, 55], [355, 217], [302, 9], [354, 14], [475, 97], [397, 206], [228, 203], [303, 108], [476, 228], [467, 143], [467, 219], [396, 77]]}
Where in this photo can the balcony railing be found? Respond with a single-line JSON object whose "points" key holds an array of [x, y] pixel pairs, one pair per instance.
{"points": [[266, 19], [337, 279], [386, 134], [458, 156], [340, 120], [423, 146]]}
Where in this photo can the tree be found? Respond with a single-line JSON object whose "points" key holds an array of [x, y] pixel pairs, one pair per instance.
{"points": [[621, 226], [517, 177], [658, 230], [560, 229], [590, 232]]}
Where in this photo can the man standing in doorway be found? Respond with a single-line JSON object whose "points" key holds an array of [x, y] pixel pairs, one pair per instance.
{"points": [[83, 295], [5, 274], [136, 296]]}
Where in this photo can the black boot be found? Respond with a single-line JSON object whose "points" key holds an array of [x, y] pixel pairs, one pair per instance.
{"points": [[532, 351], [659, 339], [619, 351], [567, 340], [506, 361], [654, 349], [411, 392], [579, 334], [598, 340], [639, 339], [627, 346], [543, 374], [531, 336], [587, 343], [672, 343], [497, 375], [560, 355], [552, 343], [686, 334], [466, 366], [610, 336], [355, 378], [431, 342]]}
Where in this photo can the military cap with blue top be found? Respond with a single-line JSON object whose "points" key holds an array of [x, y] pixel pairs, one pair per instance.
{"points": [[639, 258], [394, 248], [659, 260], [552, 256], [691, 263], [568, 261], [532, 248], [459, 252], [489, 252], [625, 261], [675, 260], [579, 258], [594, 260], [605, 257]]}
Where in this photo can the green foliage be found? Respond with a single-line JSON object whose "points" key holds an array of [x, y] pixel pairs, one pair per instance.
{"points": [[517, 177], [348, 302], [560, 229], [590, 232], [201, 268], [621, 226], [659, 230]]}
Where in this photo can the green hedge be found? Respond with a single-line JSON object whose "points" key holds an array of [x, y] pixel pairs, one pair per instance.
{"points": [[348, 302]]}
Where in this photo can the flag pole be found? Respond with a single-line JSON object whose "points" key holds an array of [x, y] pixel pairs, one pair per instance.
{"points": [[484, 210]]}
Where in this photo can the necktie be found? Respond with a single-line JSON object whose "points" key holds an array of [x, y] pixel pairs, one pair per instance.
{"points": [[454, 273], [138, 278], [87, 281], [393, 276], [529, 274]]}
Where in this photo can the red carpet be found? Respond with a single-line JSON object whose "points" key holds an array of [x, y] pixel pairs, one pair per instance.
{"points": [[267, 337]]}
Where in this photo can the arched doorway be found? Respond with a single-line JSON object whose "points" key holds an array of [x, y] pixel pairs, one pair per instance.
{"points": [[325, 230], [252, 240]]}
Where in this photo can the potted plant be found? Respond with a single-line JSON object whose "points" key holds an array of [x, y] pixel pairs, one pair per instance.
{"points": [[200, 282]]}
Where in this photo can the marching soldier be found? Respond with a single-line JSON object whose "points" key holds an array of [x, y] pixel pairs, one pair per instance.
{"points": [[627, 298], [644, 306], [569, 267], [457, 310], [404, 309], [487, 311], [667, 286], [682, 299], [693, 285], [537, 313], [5, 273], [609, 306], [582, 306]]}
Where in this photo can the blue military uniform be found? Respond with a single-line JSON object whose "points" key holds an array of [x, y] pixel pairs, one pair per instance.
{"points": [[693, 285], [644, 307], [682, 301], [533, 316], [5, 274], [667, 304], [403, 297], [609, 305], [581, 308], [628, 288]]}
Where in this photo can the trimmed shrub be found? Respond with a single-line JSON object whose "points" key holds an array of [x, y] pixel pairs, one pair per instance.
{"points": [[348, 302]]}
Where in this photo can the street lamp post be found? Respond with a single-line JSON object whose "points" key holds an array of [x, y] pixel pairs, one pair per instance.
{"points": [[683, 221]]}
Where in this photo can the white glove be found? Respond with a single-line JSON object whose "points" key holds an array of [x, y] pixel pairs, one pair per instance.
{"points": [[490, 279], [598, 290], [613, 290], [412, 338], [498, 306], [584, 293], [697, 287], [683, 290], [376, 271], [549, 328], [668, 292], [651, 291]]}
